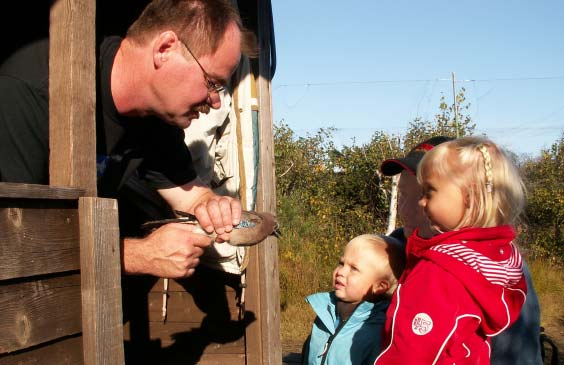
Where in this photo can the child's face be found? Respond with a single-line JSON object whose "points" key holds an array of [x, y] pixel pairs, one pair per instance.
{"points": [[442, 201], [357, 277]]}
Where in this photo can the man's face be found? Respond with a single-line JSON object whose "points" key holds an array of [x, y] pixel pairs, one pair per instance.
{"points": [[184, 91], [409, 210]]}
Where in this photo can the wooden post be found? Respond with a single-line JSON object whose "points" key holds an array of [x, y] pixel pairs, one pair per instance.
{"points": [[72, 95], [102, 321], [263, 337]]}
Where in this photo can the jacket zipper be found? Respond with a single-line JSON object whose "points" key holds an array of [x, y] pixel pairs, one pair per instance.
{"points": [[330, 340]]}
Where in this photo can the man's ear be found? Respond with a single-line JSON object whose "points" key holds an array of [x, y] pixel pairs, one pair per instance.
{"points": [[162, 46], [381, 287]]}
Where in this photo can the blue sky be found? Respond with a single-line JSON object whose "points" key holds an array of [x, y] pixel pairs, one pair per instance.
{"points": [[366, 66]]}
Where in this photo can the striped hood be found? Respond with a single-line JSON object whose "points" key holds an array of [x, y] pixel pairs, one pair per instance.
{"points": [[487, 263]]}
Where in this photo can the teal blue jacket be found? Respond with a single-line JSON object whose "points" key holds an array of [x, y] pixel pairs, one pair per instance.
{"points": [[354, 342]]}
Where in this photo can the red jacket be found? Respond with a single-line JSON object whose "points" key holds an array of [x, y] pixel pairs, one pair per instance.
{"points": [[458, 289]]}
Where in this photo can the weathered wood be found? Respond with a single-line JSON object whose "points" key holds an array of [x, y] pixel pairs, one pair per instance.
{"points": [[72, 95], [38, 237], [202, 325], [100, 259], [263, 294], [212, 295], [182, 308], [34, 312], [67, 351], [209, 276], [218, 359], [214, 338], [208, 342], [253, 302], [33, 191]]}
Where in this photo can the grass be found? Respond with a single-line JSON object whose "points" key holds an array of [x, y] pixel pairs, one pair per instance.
{"points": [[299, 279], [548, 279]]}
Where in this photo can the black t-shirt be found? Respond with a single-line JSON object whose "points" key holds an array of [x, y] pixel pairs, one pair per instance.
{"points": [[148, 148], [134, 156], [24, 115]]}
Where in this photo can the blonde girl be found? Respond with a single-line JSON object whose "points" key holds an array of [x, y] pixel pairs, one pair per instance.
{"points": [[465, 284]]}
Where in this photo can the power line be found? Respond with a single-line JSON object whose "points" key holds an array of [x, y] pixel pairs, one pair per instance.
{"points": [[371, 82]]}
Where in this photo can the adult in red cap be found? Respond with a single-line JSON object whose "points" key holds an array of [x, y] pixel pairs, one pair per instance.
{"points": [[520, 344]]}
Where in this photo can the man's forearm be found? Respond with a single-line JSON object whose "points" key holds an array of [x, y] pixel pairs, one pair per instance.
{"points": [[131, 260]]}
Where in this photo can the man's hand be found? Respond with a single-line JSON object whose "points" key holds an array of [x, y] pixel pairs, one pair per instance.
{"points": [[214, 212], [171, 251], [219, 214]]}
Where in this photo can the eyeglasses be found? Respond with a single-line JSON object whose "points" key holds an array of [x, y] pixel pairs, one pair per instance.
{"points": [[212, 86]]}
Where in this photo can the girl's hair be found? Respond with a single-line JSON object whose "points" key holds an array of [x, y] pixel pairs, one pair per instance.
{"points": [[396, 257], [485, 174], [201, 24]]}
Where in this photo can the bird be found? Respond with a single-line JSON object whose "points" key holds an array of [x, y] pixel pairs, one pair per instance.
{"points": [[253, 228]]}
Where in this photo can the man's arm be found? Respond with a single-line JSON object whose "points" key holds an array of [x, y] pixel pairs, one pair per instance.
{"points": [[172, 251]]}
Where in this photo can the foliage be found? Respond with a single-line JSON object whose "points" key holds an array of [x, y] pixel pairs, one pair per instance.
{"points": [[545, 210], [327, 195], [443, 124]]}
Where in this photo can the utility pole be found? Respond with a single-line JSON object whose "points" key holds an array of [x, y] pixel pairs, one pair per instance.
{"points": [[455, 104]]}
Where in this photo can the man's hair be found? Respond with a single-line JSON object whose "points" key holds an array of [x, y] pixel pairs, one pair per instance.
{"points": [[485, 174], [201, 24]]}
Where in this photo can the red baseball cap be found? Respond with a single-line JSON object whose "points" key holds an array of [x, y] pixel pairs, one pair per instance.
{"points": [[394, 166]]}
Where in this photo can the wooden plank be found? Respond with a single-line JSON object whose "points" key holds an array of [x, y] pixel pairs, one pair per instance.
{"points": [[211, 337], [187, 354], [38, 237], [100, 257], [36, 311], [189, 343], [67, 351], [222, 359], [263, 293], [203, 279], [72, 94], [34, 191], [202, 320], [253, 333], [207, 292], [181, 307]]}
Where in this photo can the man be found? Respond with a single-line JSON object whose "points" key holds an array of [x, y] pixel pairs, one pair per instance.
{"points": [[168, 69], [520, 343]]}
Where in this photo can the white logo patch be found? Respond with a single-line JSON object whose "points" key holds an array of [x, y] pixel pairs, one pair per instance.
{"points": [[421, 324]]}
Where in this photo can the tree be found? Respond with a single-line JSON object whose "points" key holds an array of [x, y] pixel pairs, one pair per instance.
{"points": [[442, 124], [419, 130], [545, 204]]}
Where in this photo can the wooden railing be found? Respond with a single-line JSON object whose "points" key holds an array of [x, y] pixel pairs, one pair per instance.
{"points": [[60, 279]]}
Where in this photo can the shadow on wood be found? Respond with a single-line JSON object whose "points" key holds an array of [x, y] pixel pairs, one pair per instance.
{"points": [[203, 324]]}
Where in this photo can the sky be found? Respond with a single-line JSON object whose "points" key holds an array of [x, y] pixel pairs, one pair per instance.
{"points": [[372, 65]]}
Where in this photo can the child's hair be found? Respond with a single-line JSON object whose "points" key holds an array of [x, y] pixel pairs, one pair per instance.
{"points": [[396, 257], [485, 174]]}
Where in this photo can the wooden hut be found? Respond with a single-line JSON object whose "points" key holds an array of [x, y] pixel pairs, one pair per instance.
{"points": [[60, 282]]}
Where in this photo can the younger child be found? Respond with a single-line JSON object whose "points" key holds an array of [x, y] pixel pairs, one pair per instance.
{"points": [[465, 284], [350, 319]]}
